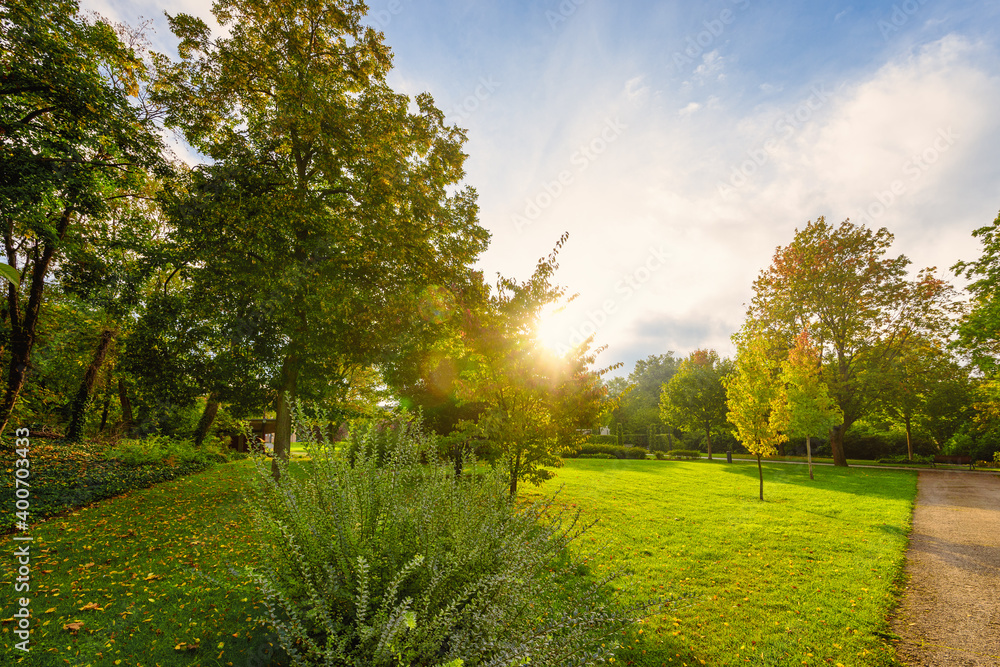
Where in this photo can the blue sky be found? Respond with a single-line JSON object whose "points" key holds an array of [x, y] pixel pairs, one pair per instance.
{"points": [[680, 143]]}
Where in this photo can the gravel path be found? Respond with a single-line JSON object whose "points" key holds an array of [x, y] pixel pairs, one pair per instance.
{"points": [[950, 612]]}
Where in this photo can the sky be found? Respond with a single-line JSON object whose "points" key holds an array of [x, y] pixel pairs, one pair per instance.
{"points": [[681, 143]]}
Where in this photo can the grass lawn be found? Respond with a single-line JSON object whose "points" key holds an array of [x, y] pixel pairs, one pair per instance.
{"points": [[152, 577], [806, 577], [144, 580]]}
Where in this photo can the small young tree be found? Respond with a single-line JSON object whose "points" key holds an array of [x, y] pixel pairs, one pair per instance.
{"points": [[533, 404], [750, 392], [803, 406]]}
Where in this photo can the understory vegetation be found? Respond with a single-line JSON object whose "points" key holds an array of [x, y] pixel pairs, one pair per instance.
{"points": [[381, 555]]}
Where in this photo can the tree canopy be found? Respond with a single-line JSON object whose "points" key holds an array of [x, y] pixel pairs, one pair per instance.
{"points": [[695, 397], [857, 302]]}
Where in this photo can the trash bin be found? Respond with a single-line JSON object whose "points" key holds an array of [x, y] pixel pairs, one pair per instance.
{"points": [[729, 456]]}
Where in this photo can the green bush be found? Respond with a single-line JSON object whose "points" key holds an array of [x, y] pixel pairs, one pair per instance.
{"points": [[602, 439], [587, 450], [684, 454], [404, 563], [903, 459], [597, 456]]}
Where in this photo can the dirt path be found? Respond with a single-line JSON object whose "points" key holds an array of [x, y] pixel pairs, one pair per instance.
{"points": [[950, 612]]}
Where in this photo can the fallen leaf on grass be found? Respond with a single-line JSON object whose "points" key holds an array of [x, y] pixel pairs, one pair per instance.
{"points": [[73, 627], [91, 605]]}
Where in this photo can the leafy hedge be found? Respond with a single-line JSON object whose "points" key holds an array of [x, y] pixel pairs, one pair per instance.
{"points": [[589, 449], [602, 439], [902, 459], [684, 454]]}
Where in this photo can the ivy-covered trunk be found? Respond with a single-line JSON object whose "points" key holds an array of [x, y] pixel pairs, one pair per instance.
{"points": [[207, 417], [87, 385]]}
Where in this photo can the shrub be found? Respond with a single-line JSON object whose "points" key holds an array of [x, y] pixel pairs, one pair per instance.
{"points": [[597, 456], [602, 439], [902, 459], [154, 449], [684, 454], [587, 450], [404, 563]]}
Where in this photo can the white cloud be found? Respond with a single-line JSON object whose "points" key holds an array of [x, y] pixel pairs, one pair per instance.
{"points": [[689, 109]]}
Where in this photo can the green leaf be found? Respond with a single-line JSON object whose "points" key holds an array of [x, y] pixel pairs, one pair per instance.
{"points": [[10, 273]]}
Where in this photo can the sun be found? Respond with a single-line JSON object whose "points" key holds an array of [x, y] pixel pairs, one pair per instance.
{"points": [[553, 329]]}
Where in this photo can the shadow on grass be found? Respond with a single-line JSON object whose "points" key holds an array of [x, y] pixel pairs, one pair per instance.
{"points": [[853, 481]]}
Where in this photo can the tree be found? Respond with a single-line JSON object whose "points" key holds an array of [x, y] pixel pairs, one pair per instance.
{"points": [[328, 207], [858, 304], [751, 391], [695, 397], [73, 142], [640, 407], [978, 328], [921, 384], [803, 407], [532, 403]]}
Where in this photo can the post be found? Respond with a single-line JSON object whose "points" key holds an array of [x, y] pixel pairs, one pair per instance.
{"points": [[809, 455]]}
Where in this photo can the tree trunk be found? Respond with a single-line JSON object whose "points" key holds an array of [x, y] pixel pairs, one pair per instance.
{"points": [[760, 472], [104, 412], [837, 445], [207, 417], [708, 439], [20, 351], [515, 472], [283, 418], [909, 442], [126, 406], [809, 455], [24, 324], [87, 386]]}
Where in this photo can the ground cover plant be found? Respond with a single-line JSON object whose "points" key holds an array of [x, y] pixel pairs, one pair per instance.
{"points": [[65, 476], [148, 578], [806, 577]]}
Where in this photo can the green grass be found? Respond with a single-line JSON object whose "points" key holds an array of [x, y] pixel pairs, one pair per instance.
{"points": [[806, 577], [153, 567], [810, 570]]}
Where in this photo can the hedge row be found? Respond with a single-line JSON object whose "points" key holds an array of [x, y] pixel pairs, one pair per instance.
{"points": [[684, 454], [590, 449]]}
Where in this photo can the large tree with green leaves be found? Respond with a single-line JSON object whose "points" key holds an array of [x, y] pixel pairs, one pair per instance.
{"points": [[860, 306], [330, 205], [803, 407], [695, 397], [74, 139]]}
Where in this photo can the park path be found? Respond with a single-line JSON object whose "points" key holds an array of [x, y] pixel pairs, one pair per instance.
{"points": [[949, 615]]}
